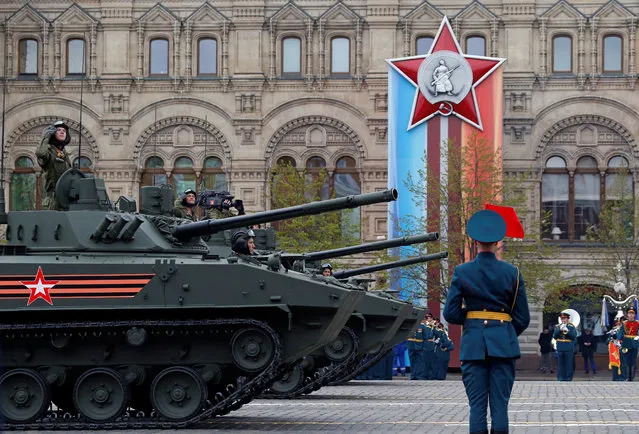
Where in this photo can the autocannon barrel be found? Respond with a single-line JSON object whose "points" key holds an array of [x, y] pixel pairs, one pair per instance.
{"points": [[212, 226], [371, 247], [387, 266]]}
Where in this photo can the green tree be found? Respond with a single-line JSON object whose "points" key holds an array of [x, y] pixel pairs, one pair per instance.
{"points": [[324, 231], [474, 178]]}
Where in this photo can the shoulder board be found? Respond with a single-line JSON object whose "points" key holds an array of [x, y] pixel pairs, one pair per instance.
{"points": [[571, 324]]}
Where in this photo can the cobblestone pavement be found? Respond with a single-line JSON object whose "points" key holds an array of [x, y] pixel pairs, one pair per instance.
{"points": [[437, 407]]}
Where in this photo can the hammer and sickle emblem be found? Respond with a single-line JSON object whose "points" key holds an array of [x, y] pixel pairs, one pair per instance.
{"points": [[445, 109]]}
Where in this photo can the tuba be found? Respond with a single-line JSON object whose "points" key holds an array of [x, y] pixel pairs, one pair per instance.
{"points": [[575, 320]]}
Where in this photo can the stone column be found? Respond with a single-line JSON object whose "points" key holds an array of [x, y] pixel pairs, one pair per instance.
{"points": [[406, 32], [8, 68], [581, 76], [45, 50], [57, 68], [322, 69], [176, 52], [93, 54], [543, 72], [358, 52], [188, 69], [309, 52], [632, 31], [140, 72], [225, 50], [594, 61], [494, 33], [271, 51]]}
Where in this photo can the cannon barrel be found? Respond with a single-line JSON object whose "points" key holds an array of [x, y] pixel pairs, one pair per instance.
{"points": [[370, 247], [212, 226], [404, 262]]}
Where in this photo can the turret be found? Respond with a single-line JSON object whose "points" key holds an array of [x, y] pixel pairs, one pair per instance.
{"points": [[205, 227], [389, 265]]}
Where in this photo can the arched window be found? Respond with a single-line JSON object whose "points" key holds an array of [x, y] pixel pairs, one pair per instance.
{"points": [[291, 56], [562, 54], [183, 175], [340, 55], [84, 164], [28, 57], [213, 176], [619, 192], [587, 202], [75, 56], [345, 183], [612, 54], [423, 44], [315, 166], [159, 58], [555, 198], [284, 161], [25, 193], [476, 45], [154, 172], [207, 56]]}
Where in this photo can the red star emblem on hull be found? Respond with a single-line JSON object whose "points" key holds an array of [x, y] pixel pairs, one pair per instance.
{"points": [[40, 288], [466, 109]]}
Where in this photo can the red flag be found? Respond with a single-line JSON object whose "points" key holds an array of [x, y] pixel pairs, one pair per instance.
{"points": [[514, 228], [614, 359]]}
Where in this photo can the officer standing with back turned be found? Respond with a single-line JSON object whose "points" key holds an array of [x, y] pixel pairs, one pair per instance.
{"points": [[487, 296], [54, 160]]}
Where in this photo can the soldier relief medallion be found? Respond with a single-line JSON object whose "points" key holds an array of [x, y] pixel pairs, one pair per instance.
{"points": [[445, 76]]}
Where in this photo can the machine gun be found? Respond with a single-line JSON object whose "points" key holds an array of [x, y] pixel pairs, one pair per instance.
{"points": [[388, 265], [205, 227]]}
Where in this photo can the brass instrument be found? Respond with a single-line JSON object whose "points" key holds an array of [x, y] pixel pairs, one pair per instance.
{"points": [[575, 320]]}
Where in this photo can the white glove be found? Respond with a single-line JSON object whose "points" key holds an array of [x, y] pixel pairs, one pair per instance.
{"points": [[437, 340], [636, 338], [617, 344], [564, 328]]}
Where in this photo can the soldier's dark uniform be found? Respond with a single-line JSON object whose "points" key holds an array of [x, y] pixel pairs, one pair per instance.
{"points": [[429, 350], [54, 161], [495, 312], [216, 214], [415, 347], [629, 345], [566, 342]]}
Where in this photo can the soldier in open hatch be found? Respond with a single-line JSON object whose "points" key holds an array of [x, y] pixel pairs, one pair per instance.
{"points": [[54, 160]]}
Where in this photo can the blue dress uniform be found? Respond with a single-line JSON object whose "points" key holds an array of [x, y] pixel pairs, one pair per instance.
{"points": [[629, 345], [566, 341], [429, 350], [495, 313], [416, 353]]}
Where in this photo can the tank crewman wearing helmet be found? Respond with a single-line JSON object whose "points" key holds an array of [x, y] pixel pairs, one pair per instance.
{"points": [[565, 335], [327, 270], [627, 334], [185, 206], [487, 296], [54, 160], [243, 243]]}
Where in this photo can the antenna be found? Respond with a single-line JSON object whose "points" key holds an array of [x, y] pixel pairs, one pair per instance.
{"points": [[206, 140], [3, 213], [84, 39], [155, 137]]}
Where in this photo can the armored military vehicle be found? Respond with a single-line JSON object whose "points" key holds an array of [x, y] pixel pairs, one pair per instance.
{"points": [[104, 309], [379, 323]]}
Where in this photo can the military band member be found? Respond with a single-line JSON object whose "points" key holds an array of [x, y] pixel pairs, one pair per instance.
{"points": [[614, 355], [566, 336], [627, 336], [495, 313], [416, 352]]}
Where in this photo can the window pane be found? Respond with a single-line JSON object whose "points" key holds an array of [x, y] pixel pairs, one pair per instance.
{"points": [[554, 200], [154, 163], [215, 181], [618, 186], [207, 56], [562, 54], [617, 162], [315, 163], [286, 161], [213, 163], [587, 163], [28, 56], [183, 181], [23, 162], [183, 163], [423, 45], [340, 55], [23, 191], [612, 53], [345, 162], [159, 56], [555, 163], [292, 55], [476, 46], [347, 184], [75, 55], [84, 162], [587, 202]]}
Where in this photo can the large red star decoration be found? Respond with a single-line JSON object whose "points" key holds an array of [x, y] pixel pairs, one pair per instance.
{"points": [[467, 109], [40, 288]]}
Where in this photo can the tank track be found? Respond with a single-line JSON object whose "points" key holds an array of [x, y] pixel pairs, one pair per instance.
{"points": [[236, 396], [363, 365], [323, 376]]}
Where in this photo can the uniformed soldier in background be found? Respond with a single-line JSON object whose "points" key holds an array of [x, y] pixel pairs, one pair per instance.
{"points": [[54, 160], [627, 334], [415, 347], [487, 296], [566, 336], [429, 349]]}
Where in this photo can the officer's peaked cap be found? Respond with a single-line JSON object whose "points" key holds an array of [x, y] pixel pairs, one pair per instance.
{"points": [[565, 314], [631, 310], [486, 226]]}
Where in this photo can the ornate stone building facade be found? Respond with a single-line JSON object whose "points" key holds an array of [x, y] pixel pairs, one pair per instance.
{"points": [[182, 91]]}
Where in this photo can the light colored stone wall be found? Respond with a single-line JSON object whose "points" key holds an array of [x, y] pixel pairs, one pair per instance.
{"points": [[252, 115]]}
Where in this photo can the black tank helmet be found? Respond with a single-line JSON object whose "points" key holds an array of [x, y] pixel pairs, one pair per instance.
{"points": [[186, 193]]}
